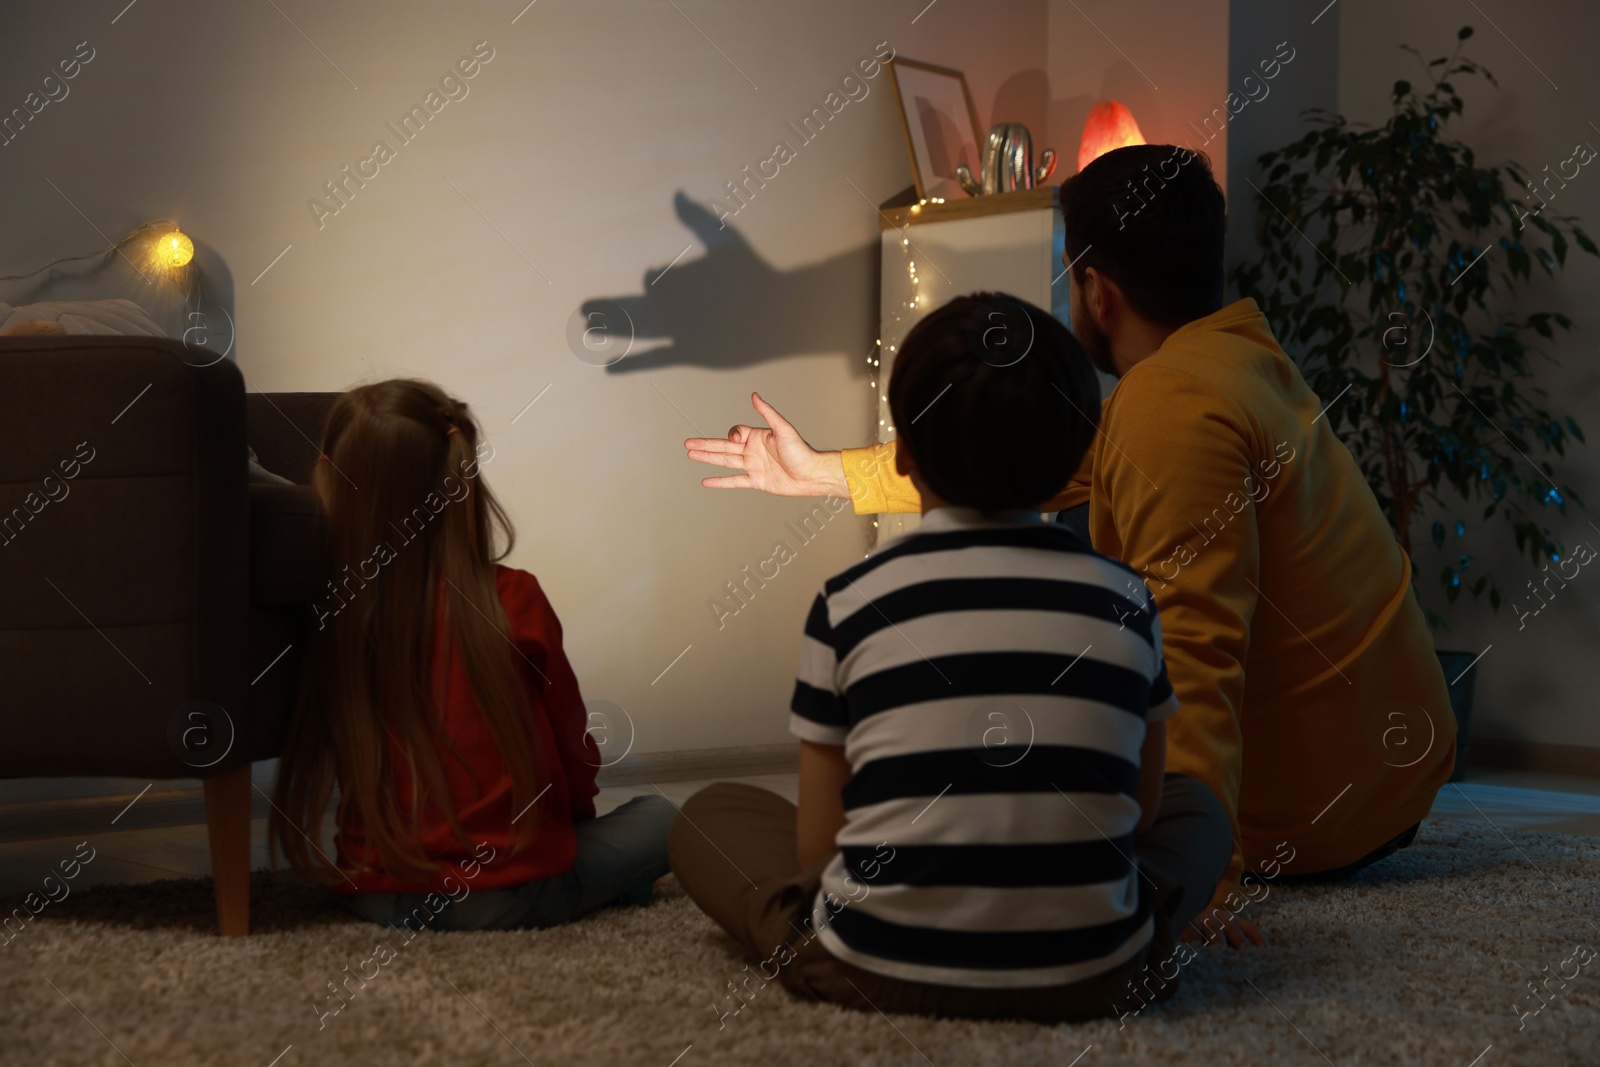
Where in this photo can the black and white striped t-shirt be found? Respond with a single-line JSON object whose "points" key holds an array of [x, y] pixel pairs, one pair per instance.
{"points": [[990, 682]]}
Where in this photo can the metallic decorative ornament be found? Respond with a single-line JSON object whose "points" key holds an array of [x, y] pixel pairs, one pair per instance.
{"points": [[1008, 162]]}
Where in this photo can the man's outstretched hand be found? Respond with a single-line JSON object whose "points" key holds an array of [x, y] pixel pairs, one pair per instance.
{"points": [[774, 459]]}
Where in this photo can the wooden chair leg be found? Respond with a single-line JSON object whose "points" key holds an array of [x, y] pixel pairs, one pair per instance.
{"points": [[228, 822]]}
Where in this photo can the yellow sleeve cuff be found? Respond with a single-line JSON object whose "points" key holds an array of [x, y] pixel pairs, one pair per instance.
{"points": [[876, 488]]}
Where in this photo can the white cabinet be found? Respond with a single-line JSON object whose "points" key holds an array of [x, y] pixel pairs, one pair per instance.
{"points": [[1005, 242]]}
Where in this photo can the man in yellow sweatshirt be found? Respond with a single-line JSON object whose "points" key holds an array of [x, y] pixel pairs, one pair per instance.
{"points": [[1311, 700]]}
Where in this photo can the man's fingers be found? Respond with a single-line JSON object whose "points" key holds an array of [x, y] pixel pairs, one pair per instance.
{"points": [[728, 481], [713, 444], [1229, 929], [731, 460], [1252, 931], [770, 413], [1240, 932]]}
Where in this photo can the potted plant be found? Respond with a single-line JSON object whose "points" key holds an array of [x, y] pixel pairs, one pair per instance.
{"points": [[1424, 360]]}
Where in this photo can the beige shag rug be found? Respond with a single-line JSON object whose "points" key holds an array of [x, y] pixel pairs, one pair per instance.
{"points": [[1425, 959]]}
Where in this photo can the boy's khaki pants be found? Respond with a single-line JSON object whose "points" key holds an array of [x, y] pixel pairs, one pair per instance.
{"points": [[733, 849]]}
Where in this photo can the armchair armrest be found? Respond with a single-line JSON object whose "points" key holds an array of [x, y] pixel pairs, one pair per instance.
{"points": [[122, 594]]}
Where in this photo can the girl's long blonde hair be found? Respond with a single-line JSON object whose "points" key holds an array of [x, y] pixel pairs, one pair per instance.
{"points": [[409, 521]]}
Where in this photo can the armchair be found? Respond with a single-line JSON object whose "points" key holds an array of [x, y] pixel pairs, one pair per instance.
{"points": [[151, 598]]}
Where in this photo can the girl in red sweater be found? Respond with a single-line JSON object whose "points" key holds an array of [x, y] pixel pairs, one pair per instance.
{"points": [[436, 696]]}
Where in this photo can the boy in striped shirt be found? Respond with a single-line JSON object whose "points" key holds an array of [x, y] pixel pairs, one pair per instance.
{"points": [[984, 827]]}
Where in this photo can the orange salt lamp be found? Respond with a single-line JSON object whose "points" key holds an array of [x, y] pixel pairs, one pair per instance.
{"points": [[1110, 125]]}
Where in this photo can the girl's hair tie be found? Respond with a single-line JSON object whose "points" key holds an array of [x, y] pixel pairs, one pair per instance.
{"points": [[451, 430], [323, 458]]}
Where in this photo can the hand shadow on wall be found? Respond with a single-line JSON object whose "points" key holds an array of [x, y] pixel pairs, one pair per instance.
{"points": [[731, 308]]}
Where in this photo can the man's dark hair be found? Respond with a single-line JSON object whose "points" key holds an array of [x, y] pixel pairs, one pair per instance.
{"points": [[1152, 219], [996, 402]]}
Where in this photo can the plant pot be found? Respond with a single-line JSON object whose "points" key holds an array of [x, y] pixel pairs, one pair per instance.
{"points": [[1461, 674]]}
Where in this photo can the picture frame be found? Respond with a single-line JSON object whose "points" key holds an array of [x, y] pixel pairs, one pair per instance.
{"points": [[940, 125]]}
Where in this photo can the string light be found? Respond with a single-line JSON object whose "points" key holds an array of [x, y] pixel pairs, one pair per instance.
{"points": [[906, 309], [897, 327], [173, 250], [898, 316], [160, 248]]}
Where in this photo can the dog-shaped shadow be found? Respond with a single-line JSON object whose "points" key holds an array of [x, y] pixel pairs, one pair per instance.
{"points": [[731, 308]]}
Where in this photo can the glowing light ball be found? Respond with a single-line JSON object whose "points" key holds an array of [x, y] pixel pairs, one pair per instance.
{"points": [[174, 250], [1110, 126]]}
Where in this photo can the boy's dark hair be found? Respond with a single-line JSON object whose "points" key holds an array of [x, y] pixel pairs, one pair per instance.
{"points": [[1152, 219], [996, 402]]}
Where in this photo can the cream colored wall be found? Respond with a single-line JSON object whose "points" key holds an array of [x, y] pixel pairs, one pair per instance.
{"points": [[1167, 60], [570, 171], [1259, 29]]}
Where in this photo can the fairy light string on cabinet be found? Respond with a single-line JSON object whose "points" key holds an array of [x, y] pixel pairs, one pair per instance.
{"points": [[880, 396]]}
